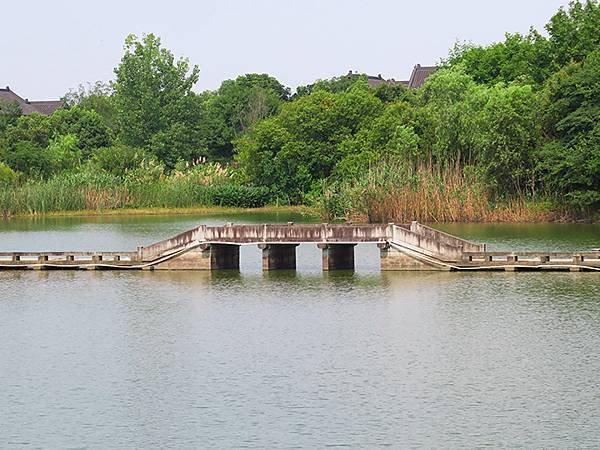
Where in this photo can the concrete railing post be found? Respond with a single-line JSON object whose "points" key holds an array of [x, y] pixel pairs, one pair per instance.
{"points": [[391, 231], [577, 260]]}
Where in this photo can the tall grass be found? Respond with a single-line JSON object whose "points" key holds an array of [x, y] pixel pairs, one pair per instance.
{"points": [[90, 189], [388, 192], [396, 192]]}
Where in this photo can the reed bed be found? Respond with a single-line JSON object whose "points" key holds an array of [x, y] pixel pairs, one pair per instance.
{"points": [[97, 191], [394, 192]]}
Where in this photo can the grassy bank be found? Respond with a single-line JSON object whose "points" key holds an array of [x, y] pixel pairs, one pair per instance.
{"points": [[197, 210]]}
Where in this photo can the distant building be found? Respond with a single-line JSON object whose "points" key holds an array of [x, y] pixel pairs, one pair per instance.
{"points": [[419, 75], [417, 78], [45, 107]]}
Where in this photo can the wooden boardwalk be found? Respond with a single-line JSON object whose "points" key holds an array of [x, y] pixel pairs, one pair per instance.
{"points": [[402, 247]]}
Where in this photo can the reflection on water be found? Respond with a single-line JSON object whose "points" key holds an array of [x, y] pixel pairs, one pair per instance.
{"points": [[294, 358]]}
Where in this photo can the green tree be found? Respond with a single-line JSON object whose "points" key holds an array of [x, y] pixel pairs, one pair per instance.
{"points": [[444, 119], [9, 113], [532, 58], [571, 100], [216, 134], [86, 125], [387, 137], [526, 58], [153, 97], [62, 153], [575, 32], [7, 175], [119, 158], [41, 145], [506, 135], [27, 157], [97, 97], [236, 106], [34, 128], [389, 93], [292, 151], [570, 162], [22, 144], [335, 85]]}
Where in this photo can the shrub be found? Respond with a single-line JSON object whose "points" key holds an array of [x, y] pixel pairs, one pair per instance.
{"points": [[63, 153], [7, 175], [119, 158], [239, 196]]}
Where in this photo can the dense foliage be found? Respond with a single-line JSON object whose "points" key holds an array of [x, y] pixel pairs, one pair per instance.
{"points": [[515, 122]]}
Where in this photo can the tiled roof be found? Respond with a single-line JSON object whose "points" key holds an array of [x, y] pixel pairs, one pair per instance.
{"points": [[45, 107], [375, 81], [419, 75]]}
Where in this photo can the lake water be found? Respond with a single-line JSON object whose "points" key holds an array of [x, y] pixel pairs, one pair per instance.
{"points": [[303, 359]]}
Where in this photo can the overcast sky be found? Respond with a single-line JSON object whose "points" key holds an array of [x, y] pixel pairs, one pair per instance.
{"points": [[49, 47]]}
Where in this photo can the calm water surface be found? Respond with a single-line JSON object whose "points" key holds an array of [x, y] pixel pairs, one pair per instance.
{"points": [[295, 359]]}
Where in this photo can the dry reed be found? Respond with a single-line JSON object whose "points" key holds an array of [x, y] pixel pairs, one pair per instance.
{"points": [[396, 193]]}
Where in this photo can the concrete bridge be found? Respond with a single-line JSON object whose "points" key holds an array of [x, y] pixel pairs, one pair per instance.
{"points": [[402, 247]]}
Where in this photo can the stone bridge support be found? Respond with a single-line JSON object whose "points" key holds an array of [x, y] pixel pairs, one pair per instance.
{"points": [[393, 259], [205, 257], [278, 256], [338, 256]]}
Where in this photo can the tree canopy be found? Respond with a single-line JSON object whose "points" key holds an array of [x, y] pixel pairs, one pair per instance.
{"points": [[522, 114], [154, 100]]}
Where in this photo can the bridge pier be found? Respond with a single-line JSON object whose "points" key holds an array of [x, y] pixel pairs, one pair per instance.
{"points": [[205, 257], [337, 256], [393, 259], [278, 256]]}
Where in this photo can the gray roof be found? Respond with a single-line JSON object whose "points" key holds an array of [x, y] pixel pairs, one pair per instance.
{"points": [[44, 107], [417, 77], [376, 81]]}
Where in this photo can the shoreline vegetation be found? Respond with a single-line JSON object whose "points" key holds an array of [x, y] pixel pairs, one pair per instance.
{"points": [[532, 213], [508, 132], [504, 213], [188, 211], [390, 192]]}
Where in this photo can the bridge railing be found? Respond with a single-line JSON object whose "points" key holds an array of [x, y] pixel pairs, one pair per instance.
{"points": [[261, 233], [528, 257], [430, 241], [173, 243], [445, 238], [426, 244], [66, 257], [249, 234]]}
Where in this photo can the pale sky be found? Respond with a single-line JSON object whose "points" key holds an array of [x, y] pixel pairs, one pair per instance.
{"points": [[49, 47]]}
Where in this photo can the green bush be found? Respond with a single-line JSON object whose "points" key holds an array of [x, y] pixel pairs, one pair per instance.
{"points": [[7, 175], [238, 196], [119, 158]]}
